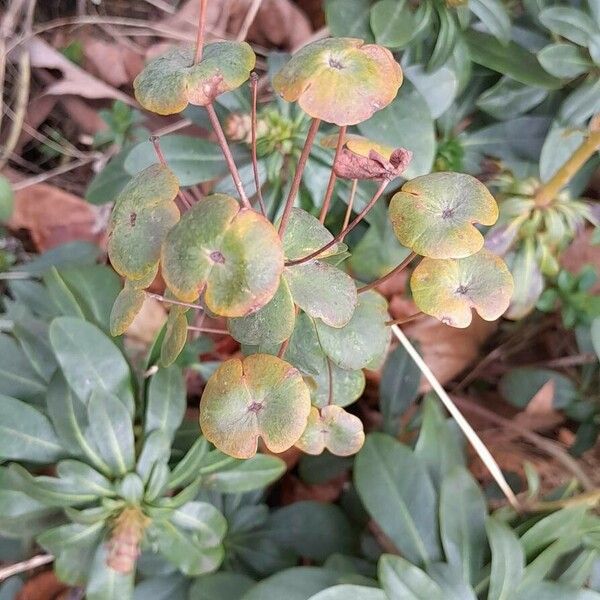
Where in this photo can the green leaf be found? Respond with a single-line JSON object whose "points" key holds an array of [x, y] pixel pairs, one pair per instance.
{"points": [[434, 215], [508, 99], [89, 360], [144, 213], [234, 255], [104, 583], [156, 449], [521, 384], [344, 387], [512, 60], [322, 291], [494, 16], [202, 518], [581, 103], [548, 590], [561, 142], [364, 340], [398, 388], [17, 376], [528, 282], [351, 20], [175, 336], [397, 492], [87, 479], [243, 476], [392, 23], [271, 324], [187, 468], [192, 159], [109, 182], [260, 395], [69, 254], [304, 235], [595, 333], [568, 22], [564, 60], [163, 587], [507, 560], [356, 592], [26, 434], [60, 294], [439, 89], [448, 289], [69, 418], [401, 579], [32, 335], [406, 123], [224, 585], [127, 305], [112, 431], [166, 402], [463, 512], [334, 429], [447, 36], [183, 550], [168, 83]]}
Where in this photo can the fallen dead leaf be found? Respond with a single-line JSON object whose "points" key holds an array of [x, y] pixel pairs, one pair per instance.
{"points": [[294, 489], [542, 402], [114, 63], [148, 321], [53, 217], [43, 586]]}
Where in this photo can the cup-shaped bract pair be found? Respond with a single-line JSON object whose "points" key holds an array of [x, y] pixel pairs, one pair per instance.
{"points": [[144, 212], [172, 81], [340, 80], [435, 216]]}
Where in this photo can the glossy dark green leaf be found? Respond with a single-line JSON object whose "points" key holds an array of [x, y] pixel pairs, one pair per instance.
{"points": [[26, 434], [111, 430], [192, 159], [398, 388], [166, 401], [512, 60], [401, 579], [89, 360], [463, 512], [507, 560], [313, 530], [397, 492], [364, 340]]}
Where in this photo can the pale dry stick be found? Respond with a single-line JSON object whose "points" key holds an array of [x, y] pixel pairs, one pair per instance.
{"points": [[200, 32], [350, 204], [548, 446], [233, 170], [332, 175], [340, 236], [248, 20], [162, 5], [177, 302], [177, 126], [61, 170], [254, 87], [25, 565], [208, 330], [289, 203], [464, 425]]}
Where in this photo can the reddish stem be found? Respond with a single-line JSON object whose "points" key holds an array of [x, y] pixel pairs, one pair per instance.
{"points": [[389, 275], [200, 32], [332, 175], [155, 141], [254, 86], [405, 320], [235, 175], [340, 236], [310, 138]]}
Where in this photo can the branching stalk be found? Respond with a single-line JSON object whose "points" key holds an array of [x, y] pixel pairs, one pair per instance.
{"points": [[332, 176], [563, 176], [405, 320], [289, 204], [340, 236], [235, 175], [389, 275], [200, 32]]}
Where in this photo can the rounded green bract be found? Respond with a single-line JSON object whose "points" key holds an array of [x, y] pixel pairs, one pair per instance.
{"points": [[340, 80], [172, 81], [434, 215], [448, 289], [257, 396]]}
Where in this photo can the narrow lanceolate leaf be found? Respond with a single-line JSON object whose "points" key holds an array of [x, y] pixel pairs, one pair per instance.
{"points": [[17, 377], [170, 82], [204, 520], [448, 289], [434, 215], [397, 492], [259, 396], [144, 213], [401, 579], [26, 434], [89, 360], [334, 429], [364, 340], [111, 429], [507, 561], [175, 336], [105, 583], [318, 75], [166, 402], [233, 255]]}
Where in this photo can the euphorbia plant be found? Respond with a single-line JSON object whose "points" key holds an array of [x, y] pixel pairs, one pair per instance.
{"points": [[307, 328]]}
